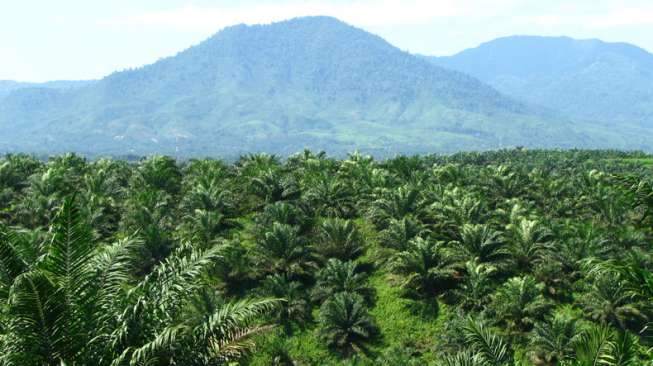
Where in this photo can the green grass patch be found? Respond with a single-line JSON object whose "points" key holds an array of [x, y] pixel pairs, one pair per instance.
{"points": [[404, 322]]}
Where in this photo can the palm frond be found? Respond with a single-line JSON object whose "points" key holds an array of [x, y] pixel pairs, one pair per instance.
{"points": [[487, 344]]}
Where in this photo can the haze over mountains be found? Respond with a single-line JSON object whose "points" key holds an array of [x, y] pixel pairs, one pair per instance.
{"points": [[583, 79], [7, 86], [319, 83]]}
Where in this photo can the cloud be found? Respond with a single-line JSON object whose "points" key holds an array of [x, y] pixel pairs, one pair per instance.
{"points": [[366, 13], [622, 17]]}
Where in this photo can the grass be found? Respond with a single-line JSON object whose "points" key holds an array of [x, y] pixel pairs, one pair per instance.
{"points": [[405, 323]]}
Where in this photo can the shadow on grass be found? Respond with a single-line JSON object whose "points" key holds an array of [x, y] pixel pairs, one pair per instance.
{"points": [[426, 309]]}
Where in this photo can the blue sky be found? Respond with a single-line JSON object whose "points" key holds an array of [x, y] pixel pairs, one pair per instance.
{"points": [[83, 39]]}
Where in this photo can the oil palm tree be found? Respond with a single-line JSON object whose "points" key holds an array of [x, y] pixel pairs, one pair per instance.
{"points": [[295, 308], [338, 276], [425, 268], [345, 324], [486, 346], [480, 244], [400, 232], [338, 238], [529, 243], [554, 341], [283, 251], [159, 172], [601, 345], [80, 304], [609, 302], [519, 303], [396, 204], [473, 292]]}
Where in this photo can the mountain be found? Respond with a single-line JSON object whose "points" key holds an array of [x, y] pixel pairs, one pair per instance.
{"points": [[305, 83], [7, 86], [587, 80]]}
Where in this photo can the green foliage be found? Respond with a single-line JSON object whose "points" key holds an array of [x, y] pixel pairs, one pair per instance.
{"points": [[496, 258]]}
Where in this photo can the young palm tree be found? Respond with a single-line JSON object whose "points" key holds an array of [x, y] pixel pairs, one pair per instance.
{"points": [[396, 204], [474, 290], [148, 214], [480, 244], [329, 196], [554, 341], [399, 233], [609, 302], [485, 345], [600, 345], [295, 308], [273, 186], [345, 324], [455, 208], [283, 213], [463, 358], [338, 238], [283, 251], [519, 303], [159, 172], [529, 243], [424, 267], [338, 276]]}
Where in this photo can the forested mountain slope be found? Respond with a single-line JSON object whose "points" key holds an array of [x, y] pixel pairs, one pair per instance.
{"points": [[587, 80], [309, 82], [7, 86]]}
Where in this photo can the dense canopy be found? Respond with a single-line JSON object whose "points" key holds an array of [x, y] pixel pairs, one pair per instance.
{"points": [[512, 257]]}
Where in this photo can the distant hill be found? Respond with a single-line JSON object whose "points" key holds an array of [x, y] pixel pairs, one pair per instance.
{"points": [[587, 80], [7, 86], [305, 83]]}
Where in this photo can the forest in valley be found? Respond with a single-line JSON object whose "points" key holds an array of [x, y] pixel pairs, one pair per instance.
{"points": [[509, 257]]}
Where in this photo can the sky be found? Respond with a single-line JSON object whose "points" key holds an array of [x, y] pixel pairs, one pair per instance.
{"points": [[43, 40]]}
